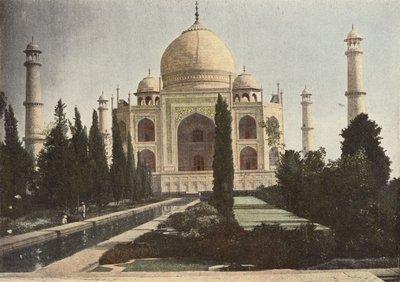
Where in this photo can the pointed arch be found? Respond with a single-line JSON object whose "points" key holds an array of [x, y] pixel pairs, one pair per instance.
{"points": [[245, 97], [237, 98], [148, 158], [254, 97], [248, 159], [148, 100], [247, 128], [146, 132]]}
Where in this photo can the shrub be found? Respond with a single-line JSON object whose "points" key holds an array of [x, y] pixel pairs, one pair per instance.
{"points": [[195, 221], [120, 253]]}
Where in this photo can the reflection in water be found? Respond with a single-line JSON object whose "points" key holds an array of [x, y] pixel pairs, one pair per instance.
{"points": [[37, 256]]}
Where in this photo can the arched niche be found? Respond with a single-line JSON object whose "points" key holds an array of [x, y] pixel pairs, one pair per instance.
{"points": [[148, 158], [247, 128], [248, 159], [146, 132]]}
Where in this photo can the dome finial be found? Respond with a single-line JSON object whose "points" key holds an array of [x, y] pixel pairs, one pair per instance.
{"points": [[32, 38], [352, 26], [149, 72], [244, 68], [197, 11]]}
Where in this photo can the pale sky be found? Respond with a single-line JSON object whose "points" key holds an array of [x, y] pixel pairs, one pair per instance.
{"points": [[91, 46]]}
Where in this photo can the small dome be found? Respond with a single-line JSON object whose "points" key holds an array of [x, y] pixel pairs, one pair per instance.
{"points": [[32, 47], [353, 34], [103, 97], [148, 84], [245, 80], [306, 91]]}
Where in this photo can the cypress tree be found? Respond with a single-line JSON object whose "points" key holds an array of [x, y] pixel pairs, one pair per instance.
{"points": [[79, 160], [131, 170], [3, 103], [363, 134], [99, 184], [139, 180], [118, 166], [16, 169], [222, 198], [53, 162]]}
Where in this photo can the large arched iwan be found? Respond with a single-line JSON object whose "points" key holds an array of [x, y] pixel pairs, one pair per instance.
{"points": [[195, 143]]}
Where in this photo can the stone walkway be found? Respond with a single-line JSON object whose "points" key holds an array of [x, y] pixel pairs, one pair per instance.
{"points": [[285, 275]]}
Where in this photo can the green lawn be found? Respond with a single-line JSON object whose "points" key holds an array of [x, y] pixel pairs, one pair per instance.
{"points": [[167, 264]]}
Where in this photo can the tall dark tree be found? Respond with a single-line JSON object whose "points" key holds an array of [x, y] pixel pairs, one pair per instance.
{"points": [[3, 103], [139, 180], [143, 180], [223, 172], [16, 169], [363, 134], [79, 163], [131, 171], [99, 184], [53, 162], [118, 169], [289, 177]]}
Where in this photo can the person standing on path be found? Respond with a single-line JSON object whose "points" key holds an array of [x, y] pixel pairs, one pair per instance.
{"points": [[82, 210]]}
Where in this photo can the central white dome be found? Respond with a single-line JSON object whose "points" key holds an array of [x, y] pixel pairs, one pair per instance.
{"points": [[197, 59]]}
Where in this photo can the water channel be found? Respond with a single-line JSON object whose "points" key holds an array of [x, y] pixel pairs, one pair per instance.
{"points": [[39, 255]]}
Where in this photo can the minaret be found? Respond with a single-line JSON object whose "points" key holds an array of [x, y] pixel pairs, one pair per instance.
{"points": [[34, 136], [104, 124], [355, 86], [307, 128], [103, 113]]}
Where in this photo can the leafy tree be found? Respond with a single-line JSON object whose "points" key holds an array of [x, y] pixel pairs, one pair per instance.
{"points": [[99, 184], [222, 198], [289, 179], [16, 169], [273, 133], [353, 205], [53, 162], [79, 163], [118, 167], [363, 134], [395, 184], [311, 198], [131, 171]]}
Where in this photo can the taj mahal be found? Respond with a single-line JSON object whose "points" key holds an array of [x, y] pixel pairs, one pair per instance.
{"points": [[171, 117]]}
